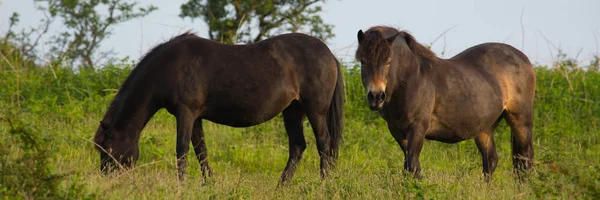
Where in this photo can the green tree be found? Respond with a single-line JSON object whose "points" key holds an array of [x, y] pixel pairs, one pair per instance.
{"points": [[247, 21], [87, 23]]}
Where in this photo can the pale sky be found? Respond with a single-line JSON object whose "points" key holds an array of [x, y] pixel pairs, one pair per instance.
{"points": [[572, 25]]}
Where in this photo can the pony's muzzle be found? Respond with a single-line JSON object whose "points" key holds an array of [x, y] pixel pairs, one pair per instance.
{"points": [[107, 166], [376, 99]]}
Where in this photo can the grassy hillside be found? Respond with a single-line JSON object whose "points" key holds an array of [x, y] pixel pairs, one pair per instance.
{"points": [[48, 116]]}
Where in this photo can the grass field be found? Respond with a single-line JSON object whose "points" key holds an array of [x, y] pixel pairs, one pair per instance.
{"points": [[48, 116]]}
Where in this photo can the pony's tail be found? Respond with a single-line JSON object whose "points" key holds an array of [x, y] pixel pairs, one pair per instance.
{"points": [[335, 114]]}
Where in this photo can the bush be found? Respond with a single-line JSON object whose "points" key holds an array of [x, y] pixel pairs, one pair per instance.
{"points": [[25, 165]]}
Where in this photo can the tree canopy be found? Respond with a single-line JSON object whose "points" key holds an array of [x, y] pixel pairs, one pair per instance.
{"points": [[247, 21], [86, 27]]}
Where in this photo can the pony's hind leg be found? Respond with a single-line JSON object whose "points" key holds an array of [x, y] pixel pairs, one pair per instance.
{"points": [[200, 148], [292, 119], [318, 121], [520, 90], [521, 125]]}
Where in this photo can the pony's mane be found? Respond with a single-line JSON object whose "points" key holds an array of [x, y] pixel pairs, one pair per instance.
{"points": [[115, 105], [163, 44], [374, 36], [418, 48]]}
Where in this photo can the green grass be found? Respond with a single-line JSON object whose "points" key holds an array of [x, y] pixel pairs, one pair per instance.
{"points": [[59, 109]]}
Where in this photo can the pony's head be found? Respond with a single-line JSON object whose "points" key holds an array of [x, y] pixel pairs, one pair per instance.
{"points": [[117, 148], [375, 55], [378, 52]]}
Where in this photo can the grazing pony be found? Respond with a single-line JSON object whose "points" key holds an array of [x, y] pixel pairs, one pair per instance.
{"points": [[234, 85], [422, 96]]}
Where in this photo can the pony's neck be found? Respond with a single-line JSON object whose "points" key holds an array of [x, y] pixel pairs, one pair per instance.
{"points": [[130, 114], [406, 72]]}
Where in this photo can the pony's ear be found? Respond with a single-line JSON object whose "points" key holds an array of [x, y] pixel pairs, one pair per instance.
{"points": [[360, 35], [391, 40], [99, 137], [104, 125]]}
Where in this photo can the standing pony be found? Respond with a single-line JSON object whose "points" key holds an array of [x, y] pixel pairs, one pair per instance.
{"points": [[234, 85], [422, 96]]}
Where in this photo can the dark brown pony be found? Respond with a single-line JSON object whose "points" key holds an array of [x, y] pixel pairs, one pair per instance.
{"points": [[234, 85], [422, 96]]}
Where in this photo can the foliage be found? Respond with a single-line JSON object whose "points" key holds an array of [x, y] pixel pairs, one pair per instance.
{"points": [[232, 21]]}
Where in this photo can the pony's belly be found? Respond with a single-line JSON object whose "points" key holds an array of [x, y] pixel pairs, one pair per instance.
{"points": [[245, 113], [452, 130], [445, 135], [241, 117], [238, 121]]}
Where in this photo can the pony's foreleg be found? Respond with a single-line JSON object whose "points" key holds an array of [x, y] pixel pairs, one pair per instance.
{"points": [[200, 148], [185, 125], [415, 139], [400, 138], [485, 144]]}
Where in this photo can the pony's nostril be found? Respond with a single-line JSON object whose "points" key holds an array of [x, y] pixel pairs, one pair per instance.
{"points": [[370, 95], [382, 96]]}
